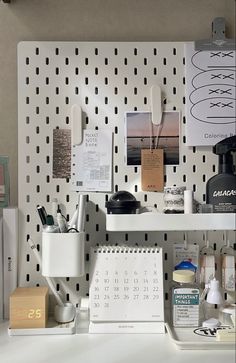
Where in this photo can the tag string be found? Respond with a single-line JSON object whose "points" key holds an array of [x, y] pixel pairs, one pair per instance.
{"points": [[151, 131], [159, 128]]}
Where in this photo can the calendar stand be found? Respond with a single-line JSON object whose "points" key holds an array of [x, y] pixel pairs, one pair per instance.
{"points": [[127, 327], [126, 290]]}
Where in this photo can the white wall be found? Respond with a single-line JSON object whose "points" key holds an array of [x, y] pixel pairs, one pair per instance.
{"points": [[97, 20]]}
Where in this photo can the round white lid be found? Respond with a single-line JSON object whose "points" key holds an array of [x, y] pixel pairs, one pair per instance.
{"points": [[184, 276]]}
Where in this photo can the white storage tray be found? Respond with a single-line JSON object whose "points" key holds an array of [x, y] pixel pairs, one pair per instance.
{"points": [[189, 338], [53, 328]]}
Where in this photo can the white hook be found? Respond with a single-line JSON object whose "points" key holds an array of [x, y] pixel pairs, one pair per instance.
{"points": [[76, 125], [156, 105], [185, 241]]}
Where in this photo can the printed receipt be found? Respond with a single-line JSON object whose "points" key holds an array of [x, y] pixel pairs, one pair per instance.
{"points": [[91, 162]]}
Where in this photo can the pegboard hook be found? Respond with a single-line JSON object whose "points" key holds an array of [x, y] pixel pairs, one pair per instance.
{"points": [[156, 105], [76, 125], [156, 109]]}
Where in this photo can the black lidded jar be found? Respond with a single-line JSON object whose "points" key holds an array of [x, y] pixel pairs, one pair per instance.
{"points": [[122, 202]]}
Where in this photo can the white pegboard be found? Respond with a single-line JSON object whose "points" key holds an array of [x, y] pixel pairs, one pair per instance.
{"points": [[106, 80]]}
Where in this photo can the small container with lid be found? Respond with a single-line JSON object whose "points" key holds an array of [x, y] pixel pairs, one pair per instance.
{"points": [[174, 199], [185, 299], [50, 227]]}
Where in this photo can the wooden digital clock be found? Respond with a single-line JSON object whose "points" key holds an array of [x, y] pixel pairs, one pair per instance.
{"points": [[29, 307]]}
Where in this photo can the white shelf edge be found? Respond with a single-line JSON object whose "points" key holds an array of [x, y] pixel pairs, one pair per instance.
{"points": [[170, 222]]}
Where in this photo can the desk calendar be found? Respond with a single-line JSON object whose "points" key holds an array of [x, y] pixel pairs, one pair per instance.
{"points": [[126, 289]]}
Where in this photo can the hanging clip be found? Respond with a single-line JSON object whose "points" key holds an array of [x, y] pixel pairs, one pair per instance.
{"points": [[218, 41], [156, 105], [76, 125], [185, 240]]}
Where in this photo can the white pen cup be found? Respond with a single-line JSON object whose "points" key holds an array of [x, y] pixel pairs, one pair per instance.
{"points": [[62, 254]]}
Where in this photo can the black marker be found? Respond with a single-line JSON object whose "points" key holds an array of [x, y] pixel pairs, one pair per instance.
{"points": [[42, 214]]}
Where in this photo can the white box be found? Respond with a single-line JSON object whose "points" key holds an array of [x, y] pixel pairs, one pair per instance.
{"points": [[1, 270], [10, 255], [62, 254]]}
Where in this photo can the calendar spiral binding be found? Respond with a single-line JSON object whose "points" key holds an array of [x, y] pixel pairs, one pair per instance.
{"points": [[126, 249]]}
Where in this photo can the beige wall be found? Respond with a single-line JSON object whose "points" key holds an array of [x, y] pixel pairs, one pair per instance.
{"points": [[97, 20]]}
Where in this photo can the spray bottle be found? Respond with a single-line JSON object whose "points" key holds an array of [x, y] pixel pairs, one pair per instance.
{"points": [[221, 188]]}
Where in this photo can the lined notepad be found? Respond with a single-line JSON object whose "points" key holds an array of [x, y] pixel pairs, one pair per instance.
{"points": [[126, 284]]}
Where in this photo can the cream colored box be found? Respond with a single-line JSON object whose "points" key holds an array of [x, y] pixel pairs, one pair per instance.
{"points": [[29, 307]]}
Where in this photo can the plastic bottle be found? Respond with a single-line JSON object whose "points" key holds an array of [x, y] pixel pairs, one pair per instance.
{"points": [[221, 188], [185, 299], [50, 226], [228, 272]]}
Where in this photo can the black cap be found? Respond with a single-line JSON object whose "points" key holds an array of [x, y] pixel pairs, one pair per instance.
{"points": [[122, 202], [49, 220], [225, 146]]}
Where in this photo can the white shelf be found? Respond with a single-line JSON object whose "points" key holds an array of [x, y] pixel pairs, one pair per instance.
{"points": [[170, 222]]}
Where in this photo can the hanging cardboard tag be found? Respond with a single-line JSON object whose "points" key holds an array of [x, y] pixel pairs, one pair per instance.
{"points": [[152, 170]]}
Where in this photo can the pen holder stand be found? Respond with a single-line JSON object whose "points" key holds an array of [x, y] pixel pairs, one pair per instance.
{"points": [[62, 254]]}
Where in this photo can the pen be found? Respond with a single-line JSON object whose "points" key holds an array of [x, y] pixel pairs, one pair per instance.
{"points": [[73, 221], [54, 209], [61, 221], [81, 214], [42, 214]]}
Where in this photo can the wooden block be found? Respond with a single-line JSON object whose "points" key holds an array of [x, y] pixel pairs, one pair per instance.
{"points": [[29, 307]]}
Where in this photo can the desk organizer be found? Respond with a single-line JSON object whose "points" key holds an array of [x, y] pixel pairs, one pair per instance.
{"points": [[62, 254]]}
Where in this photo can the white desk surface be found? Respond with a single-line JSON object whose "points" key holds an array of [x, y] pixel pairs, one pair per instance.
{"points": [[102, 348]]}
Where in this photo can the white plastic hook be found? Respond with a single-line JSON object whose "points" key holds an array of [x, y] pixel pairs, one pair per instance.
{"points": [[185, 241], [156, 105], [76, 125]]}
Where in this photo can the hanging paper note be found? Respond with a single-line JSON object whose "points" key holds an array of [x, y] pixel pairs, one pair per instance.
{"points": [[91, 168], [61, 153], [152, 173], [210, 96]]}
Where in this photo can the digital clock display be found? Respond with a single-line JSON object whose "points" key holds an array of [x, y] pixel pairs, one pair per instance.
{"points": [[31, 314]]}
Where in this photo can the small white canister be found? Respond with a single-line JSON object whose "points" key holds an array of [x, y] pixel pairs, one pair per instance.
{"points": [[174, 199]]}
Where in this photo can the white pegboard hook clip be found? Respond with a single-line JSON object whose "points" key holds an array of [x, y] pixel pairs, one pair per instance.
{"points": [[156, 105], [76, 125]]}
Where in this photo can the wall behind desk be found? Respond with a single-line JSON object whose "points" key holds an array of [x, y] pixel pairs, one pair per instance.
{"points": [[92, 20]]}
